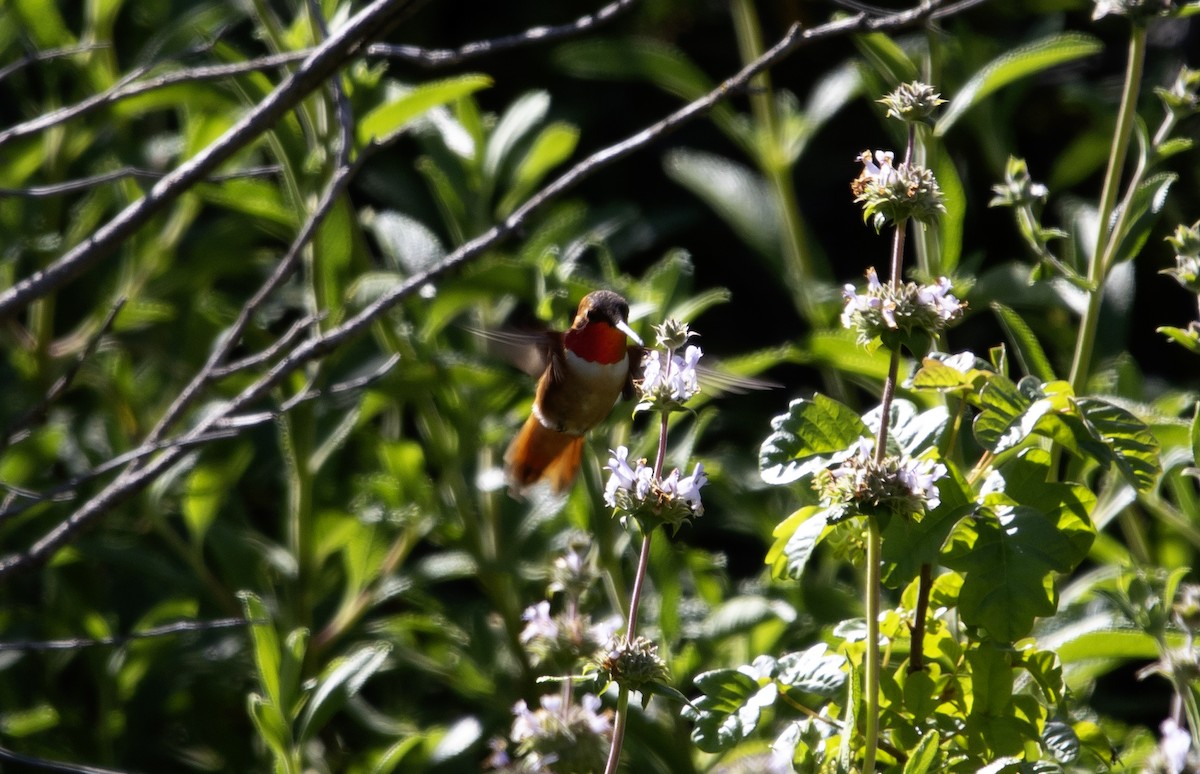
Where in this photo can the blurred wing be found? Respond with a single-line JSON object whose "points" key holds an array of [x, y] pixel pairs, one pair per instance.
{"points": [[529, 351], [714, 381]]}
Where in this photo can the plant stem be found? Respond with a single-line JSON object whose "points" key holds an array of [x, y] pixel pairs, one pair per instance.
{"points": [[1098, 267], [871, 664], [916, 661], [635, 598]]}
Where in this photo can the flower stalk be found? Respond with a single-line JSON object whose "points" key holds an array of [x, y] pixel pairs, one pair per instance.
{"points": [[644, 495]]}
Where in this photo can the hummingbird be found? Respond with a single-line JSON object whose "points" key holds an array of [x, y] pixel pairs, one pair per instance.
{"points": [[581, 374]]}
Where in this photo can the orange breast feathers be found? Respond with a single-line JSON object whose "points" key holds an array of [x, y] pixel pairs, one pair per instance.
{"points": [[598, 342]]}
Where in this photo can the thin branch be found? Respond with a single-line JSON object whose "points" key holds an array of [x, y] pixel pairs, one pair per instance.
{"points": [[21, 499], [49, 765], [133, 480], [348, 41], [335, 187], [270, 353], [440, 57], [46, 56], [135, 83], [84, 183], [166, 630]]}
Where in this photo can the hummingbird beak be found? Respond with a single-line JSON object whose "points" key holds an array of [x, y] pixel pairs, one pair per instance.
{"points": [[623, 327]]}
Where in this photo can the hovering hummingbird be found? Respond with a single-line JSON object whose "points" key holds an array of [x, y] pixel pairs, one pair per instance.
{"points": [[581, 374]]}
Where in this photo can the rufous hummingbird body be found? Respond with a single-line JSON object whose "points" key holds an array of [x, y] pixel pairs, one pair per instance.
{"points": [[581, 374]]}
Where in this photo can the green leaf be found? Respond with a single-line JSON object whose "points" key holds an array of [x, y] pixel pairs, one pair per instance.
{"points": [[394, 115], [266, 645], [517, 122], [553, 145], [737, 194], [813, 671], [923, 758], [804, 439], [1062, 742], [1143, 212], [272, 728], [1003, 407], [910, 432], [732, 704], [1029, 350], [1008, 553], [1111, 434], [886, 58], [343, 678], [952, 373], [795, 538], [1189, 338], [1013, 65]]}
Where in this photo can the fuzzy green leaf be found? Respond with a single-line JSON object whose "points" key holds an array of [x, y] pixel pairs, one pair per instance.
{"points": [[1030, 354], [1009, 553], [737, 194], [732, 704], [803, 439], [342, 680]]}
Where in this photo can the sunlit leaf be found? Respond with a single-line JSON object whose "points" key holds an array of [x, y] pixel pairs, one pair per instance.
{"points": [[394, 115], [803, 440]]}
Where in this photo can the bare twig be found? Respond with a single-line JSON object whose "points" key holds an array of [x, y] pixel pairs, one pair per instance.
{"points": [[283, 270], [21, 499], [46, 56], [49, 765], [166, 630], [84, 183], [270, 353], [134, 479], [135, 83], [440, 57], [320, 65]]}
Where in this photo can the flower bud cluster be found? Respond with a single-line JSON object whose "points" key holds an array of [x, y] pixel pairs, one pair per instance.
{"points": [[634, 491], [1182, 99], [633, 665], [909, 307], [913, 102], [1018, 188], [859, 485], [1186, 241], [895, 193]]}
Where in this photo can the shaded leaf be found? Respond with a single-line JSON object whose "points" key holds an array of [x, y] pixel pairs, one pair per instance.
{"points": [[1013, 65]]}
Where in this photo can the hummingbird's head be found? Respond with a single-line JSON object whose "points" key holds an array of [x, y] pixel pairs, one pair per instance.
{"points": [[607, 307]]}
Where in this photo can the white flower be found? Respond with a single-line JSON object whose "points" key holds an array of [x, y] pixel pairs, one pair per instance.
{"points": [[938, 297], [920, 477], [525, 723], [1174, 745], [880, 169], [538, 622], [675, 378]]}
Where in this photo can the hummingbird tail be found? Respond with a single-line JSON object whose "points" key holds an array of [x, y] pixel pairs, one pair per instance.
{"points": [[541, 453]]}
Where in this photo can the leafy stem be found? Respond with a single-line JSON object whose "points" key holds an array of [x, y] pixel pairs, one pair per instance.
{"points": [[1106, 238]]}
